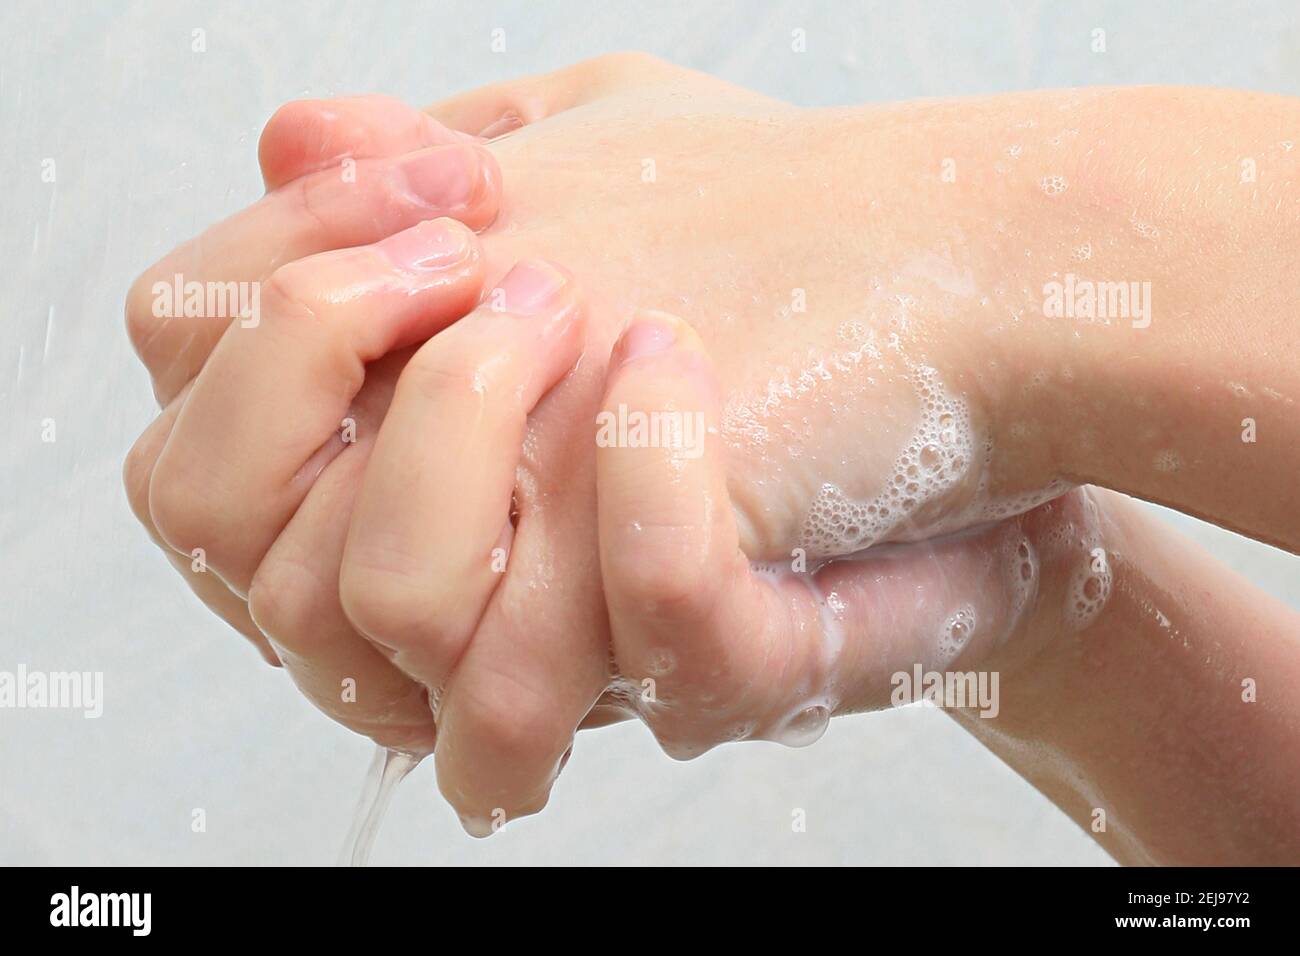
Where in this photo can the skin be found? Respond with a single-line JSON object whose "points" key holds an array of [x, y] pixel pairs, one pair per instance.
{"points": [[374, 560], [1147, 714]]}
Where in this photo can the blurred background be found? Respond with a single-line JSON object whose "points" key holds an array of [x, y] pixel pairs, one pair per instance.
{"points": [[152, 140]]}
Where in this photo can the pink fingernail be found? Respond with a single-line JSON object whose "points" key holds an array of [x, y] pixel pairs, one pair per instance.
{"points": [[530, 287], [444, 177], [646, 337], [436, 244]]}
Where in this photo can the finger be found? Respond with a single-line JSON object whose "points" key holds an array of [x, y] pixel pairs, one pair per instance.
{"points": [[539, 662], [264, 414], [734, 651], [137, 471], [179, 308], [420, 564], [306, 136], [532, 675], [294, 597], [499, 108], [694, 632]]}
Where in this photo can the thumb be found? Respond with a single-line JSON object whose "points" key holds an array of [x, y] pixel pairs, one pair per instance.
{"points": [[306, 136], [693, 629]]}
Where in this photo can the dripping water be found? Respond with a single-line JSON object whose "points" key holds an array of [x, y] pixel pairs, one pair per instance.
{"points": [[387, 769]]}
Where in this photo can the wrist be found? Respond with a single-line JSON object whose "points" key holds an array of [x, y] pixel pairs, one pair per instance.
{"points": [[1103, 718]]}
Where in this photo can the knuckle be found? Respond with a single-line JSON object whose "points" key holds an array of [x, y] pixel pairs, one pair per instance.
{"points": [[514, 721], [292, 291], [141, 323], [293, 124], [179, 513], [294, 300], [137, 470], [285, 601], [315, 197], [445, 374], [391, 608], [355, 210], [625, 62], [666, 573]]}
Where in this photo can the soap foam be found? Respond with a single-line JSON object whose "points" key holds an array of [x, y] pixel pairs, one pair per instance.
{"points": [[805, 726], [936, 460], [955, 634], [1009, 506], [1090, 588], [1022, 568]]}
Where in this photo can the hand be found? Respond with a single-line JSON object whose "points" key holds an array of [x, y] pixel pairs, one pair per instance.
{"points": [[784, 432], [864, 337], [965, 265], [298, 609], [788, 466], [403, 170], [702, 645]]}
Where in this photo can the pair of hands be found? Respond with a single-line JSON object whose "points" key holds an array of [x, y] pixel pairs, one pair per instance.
{"points": [[389, 480]]}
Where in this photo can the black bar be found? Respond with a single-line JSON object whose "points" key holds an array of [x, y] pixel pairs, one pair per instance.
{"points": [[334, 905]]}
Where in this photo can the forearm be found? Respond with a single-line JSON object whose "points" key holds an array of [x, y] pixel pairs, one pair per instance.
{"points": [[1174, 714], [1121, 269], [999, 213], [1189, 397]]}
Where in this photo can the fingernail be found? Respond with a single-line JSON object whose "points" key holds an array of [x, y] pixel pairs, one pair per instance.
{"points": [[443, 177], [430, 246], [530, 287], [646, 336]]}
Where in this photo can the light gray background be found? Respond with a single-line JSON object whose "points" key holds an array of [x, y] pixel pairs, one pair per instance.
{"points": [[152, 142]]}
